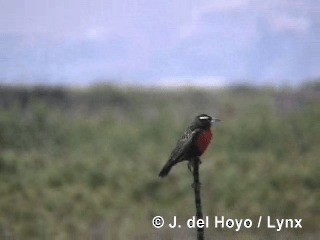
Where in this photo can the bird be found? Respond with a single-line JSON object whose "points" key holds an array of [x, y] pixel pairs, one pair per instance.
{"points": [[193, 142]]}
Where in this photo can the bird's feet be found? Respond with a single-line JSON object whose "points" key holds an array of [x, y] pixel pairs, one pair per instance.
{"points": [[194, 185], [191, 163]]}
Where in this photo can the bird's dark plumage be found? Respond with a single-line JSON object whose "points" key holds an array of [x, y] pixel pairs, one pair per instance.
{"points": [[192, 144]]}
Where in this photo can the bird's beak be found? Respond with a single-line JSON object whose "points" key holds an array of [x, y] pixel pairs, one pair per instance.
{"points": [[215, 120]]}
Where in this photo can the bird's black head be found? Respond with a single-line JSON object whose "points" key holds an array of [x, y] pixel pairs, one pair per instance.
{"points": [[204, 121]]}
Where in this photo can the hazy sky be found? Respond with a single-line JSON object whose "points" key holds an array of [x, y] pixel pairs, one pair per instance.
{"points": [[165, 42]]}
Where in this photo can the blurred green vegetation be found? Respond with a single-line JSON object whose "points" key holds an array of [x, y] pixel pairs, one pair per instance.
{"points": [[84, 163]]}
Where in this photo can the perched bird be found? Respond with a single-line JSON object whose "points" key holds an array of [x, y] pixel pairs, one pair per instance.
{"points": [[193, 143]]}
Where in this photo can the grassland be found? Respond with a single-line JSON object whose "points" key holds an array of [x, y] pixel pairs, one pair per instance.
{"points": [[83, 163]]}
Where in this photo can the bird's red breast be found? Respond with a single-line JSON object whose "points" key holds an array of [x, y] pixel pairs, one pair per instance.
{"points": [[204, 140]]}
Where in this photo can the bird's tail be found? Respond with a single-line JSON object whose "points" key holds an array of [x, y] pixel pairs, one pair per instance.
{"points": [[166, 169]]}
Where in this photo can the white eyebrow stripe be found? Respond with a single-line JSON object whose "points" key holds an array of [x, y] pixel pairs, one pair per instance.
{"points": [[204, 117]]}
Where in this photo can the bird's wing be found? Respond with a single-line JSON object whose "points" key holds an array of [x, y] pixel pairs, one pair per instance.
{"points": [[183, 144]]}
